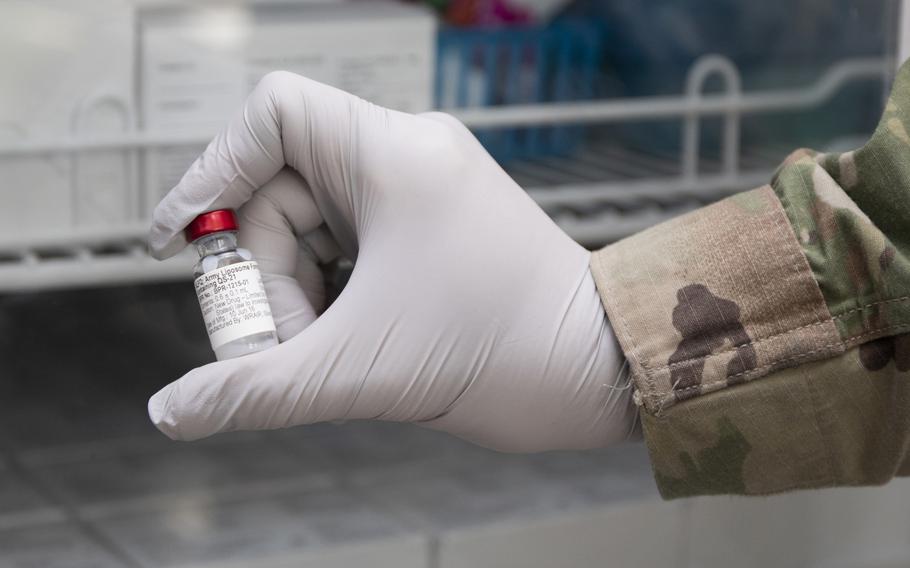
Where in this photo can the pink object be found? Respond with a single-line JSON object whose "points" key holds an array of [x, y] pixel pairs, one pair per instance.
{"points": [[485, 13]]}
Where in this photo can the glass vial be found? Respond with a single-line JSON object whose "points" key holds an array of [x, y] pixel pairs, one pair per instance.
{"points": [[229, 288]]}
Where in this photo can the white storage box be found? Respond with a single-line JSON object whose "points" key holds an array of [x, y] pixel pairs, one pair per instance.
{"points": [[198, 64], [67, 72]]}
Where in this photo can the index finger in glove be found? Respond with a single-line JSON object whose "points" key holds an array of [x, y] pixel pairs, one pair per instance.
{"points": [[287, 119], [273, 223]]}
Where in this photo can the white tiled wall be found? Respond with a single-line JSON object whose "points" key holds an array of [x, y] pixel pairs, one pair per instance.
{"points": [[401, 552], [385, 495], [858, 528], [848, 527], [862, 527], [748, 532], [341, 524], [636, 534]]}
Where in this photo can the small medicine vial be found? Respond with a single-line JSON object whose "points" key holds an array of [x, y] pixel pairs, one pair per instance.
{"points": [[229, 288]]}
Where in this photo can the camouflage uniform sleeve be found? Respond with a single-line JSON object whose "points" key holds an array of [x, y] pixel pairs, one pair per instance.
{"points": [[767, 334]]}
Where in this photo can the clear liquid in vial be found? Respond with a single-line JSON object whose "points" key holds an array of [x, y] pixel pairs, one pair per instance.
{"points": [[229, 287]]}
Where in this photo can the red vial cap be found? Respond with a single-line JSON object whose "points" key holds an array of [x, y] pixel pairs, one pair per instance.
{"points": [[211, 222]]}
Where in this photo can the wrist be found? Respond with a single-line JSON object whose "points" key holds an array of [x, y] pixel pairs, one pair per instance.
{"points": [[618, 419], [596, 396]]}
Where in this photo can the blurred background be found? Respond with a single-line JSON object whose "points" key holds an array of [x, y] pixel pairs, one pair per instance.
{"points": [[612, 114]]}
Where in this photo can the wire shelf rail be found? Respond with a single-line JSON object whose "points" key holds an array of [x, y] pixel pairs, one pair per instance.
{"points": [[598, 195]]}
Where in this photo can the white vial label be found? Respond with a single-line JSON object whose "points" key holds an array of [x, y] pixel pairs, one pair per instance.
{"points": [[233, 303]]}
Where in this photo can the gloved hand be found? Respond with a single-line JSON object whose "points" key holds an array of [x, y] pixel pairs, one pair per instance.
{"points": [[468, 309]]}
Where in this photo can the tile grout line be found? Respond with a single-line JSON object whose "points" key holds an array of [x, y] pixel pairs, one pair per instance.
{"points": [[433, 551], [409, 522], [240, 492], [684, 551], [79, 451], [70, 511]]}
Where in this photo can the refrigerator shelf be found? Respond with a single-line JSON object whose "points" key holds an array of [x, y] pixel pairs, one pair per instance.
{"points": [[599, 194]]}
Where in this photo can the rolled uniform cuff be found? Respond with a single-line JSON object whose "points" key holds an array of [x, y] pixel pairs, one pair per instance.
{"points": [[768, 335], [715, 301]]}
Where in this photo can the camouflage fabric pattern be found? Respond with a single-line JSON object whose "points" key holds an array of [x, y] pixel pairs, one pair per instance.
{"points": [[821, 424], [714, 298], [767, 334], [851, 214]]}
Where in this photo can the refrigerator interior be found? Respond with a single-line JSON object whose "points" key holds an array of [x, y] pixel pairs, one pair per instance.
{"points": [[611, 115]]}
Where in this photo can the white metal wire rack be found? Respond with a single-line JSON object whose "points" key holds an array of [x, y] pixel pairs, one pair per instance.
{"points": [[598, 195]]}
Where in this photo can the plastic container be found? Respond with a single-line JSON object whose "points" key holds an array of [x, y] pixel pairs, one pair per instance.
{"points": [[482, 67]]}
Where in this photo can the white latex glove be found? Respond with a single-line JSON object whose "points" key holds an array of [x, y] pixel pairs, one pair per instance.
{"points": [[468, 309]]}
